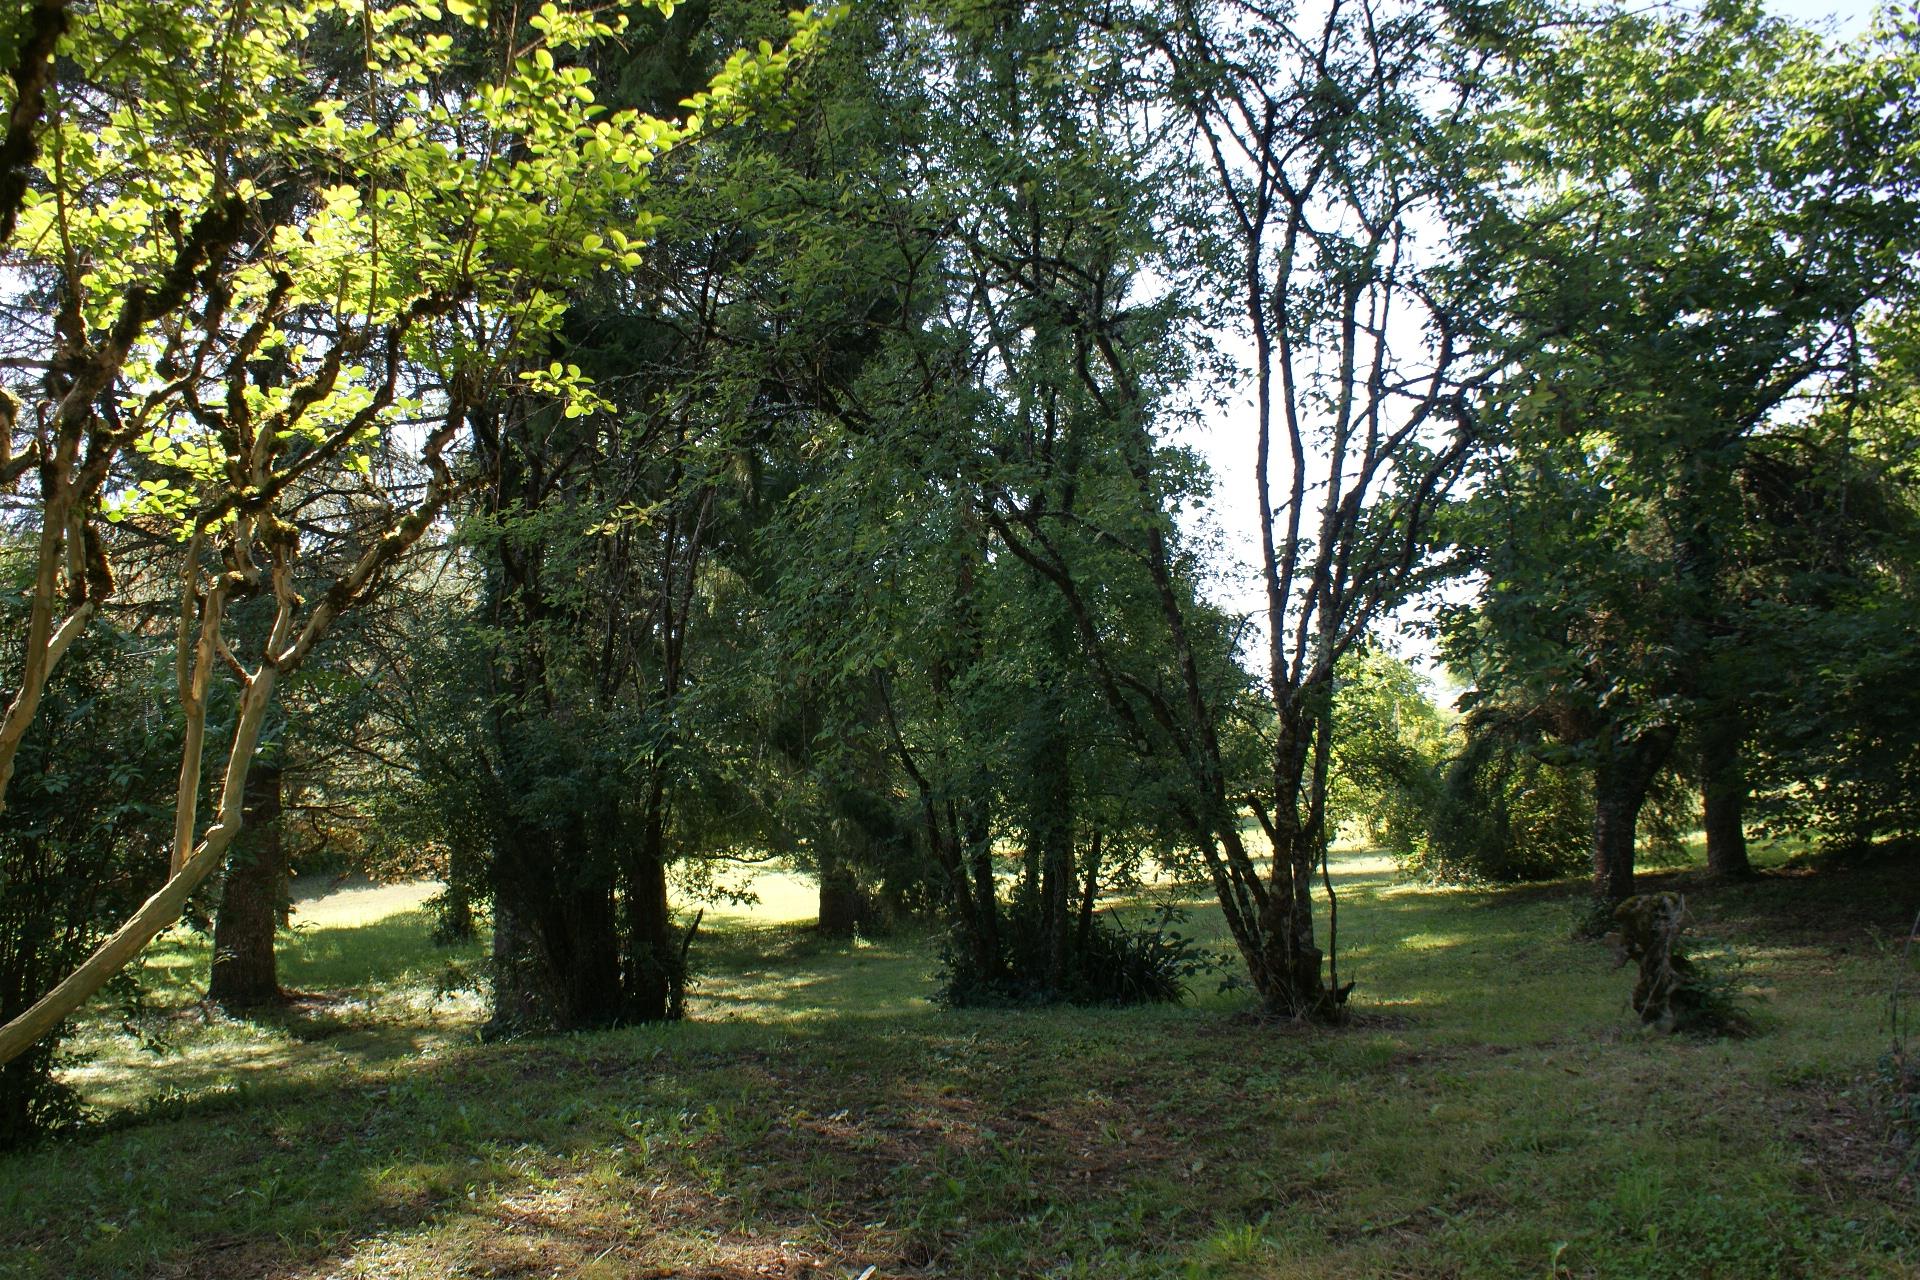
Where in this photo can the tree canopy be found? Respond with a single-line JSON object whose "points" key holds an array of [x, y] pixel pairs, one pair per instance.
{"points": [[570, 450]]}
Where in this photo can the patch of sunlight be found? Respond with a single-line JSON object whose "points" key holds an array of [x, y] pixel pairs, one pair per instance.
{"points": [[118, 1081], [1414, 887], [783, 897], [1438, 941], [318, 902], [1373, 862]]}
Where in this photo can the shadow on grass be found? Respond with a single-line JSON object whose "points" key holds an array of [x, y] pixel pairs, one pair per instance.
{"points": [[792, 971], [820, 1114]]}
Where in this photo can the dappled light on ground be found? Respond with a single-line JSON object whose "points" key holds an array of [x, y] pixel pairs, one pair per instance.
{"points": [[1493, 1102]]}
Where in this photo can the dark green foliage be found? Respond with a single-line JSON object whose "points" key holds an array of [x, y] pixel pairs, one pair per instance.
{"points": [[1113, 963], [543, 809], [85, 841], [1821, 648], [453, 916], [1505, 809], [1503, 814]]}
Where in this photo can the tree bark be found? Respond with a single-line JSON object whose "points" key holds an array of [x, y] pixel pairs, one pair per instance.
{"points": [[1050, 825], [1621, 779], [518, 1004], [1288, 972], [582, 942], [557, 961], [655, 983], [252, 901], [843, 905], [1723, 789], [986, 895]]}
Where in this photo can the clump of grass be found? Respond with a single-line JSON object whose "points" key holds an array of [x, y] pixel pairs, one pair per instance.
{"points": [[1899, 1066]]}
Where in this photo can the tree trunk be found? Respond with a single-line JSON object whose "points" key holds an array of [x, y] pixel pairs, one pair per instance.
{"points": [[1621, 779], [1089, 893], [1287, 969], [518, 1001], [655, 983], [1723, 788], [843, 904], [557, 954], [986, 894], [252, 901], [582, 942], [1050, 835], [1290, 974], [1616, 815]]}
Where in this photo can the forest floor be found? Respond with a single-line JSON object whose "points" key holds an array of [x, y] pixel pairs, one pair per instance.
{"points": [[1494, 1111]]}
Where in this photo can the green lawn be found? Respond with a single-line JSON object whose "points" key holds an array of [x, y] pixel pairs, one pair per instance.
{"points": [[1494, 1112]]}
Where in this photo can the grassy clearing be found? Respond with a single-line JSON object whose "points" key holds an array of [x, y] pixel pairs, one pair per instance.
{"points": [[1494, 1113]]}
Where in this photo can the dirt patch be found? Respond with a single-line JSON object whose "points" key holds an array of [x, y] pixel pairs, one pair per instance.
{"points": [[1847, 1146]]}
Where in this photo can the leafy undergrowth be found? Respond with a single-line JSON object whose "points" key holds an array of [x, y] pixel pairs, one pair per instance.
{"points": [[1494, 1112]]}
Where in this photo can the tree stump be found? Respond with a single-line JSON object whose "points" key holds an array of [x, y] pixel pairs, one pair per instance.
{"points": [[1647, 932]]}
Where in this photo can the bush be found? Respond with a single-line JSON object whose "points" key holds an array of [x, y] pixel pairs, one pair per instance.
{"points": [[1389, 742], [89, 815], [1503, 814], [1111, 964]]}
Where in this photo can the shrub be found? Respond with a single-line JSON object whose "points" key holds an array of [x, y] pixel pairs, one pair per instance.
{"points": [[1502, 813], [89, 814], [1110, 963]]}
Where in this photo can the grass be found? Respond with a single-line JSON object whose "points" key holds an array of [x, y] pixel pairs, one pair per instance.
{"points": [[1494, 1112]]}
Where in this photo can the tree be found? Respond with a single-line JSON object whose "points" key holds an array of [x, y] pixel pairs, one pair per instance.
{"points": [[1053, 341], [989, 208], [1698, 218], [1331, 143], [258, 289], [1823, 635]]}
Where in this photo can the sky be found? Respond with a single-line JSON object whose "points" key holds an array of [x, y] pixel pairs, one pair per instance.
{"points": [[1850, 17]]}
